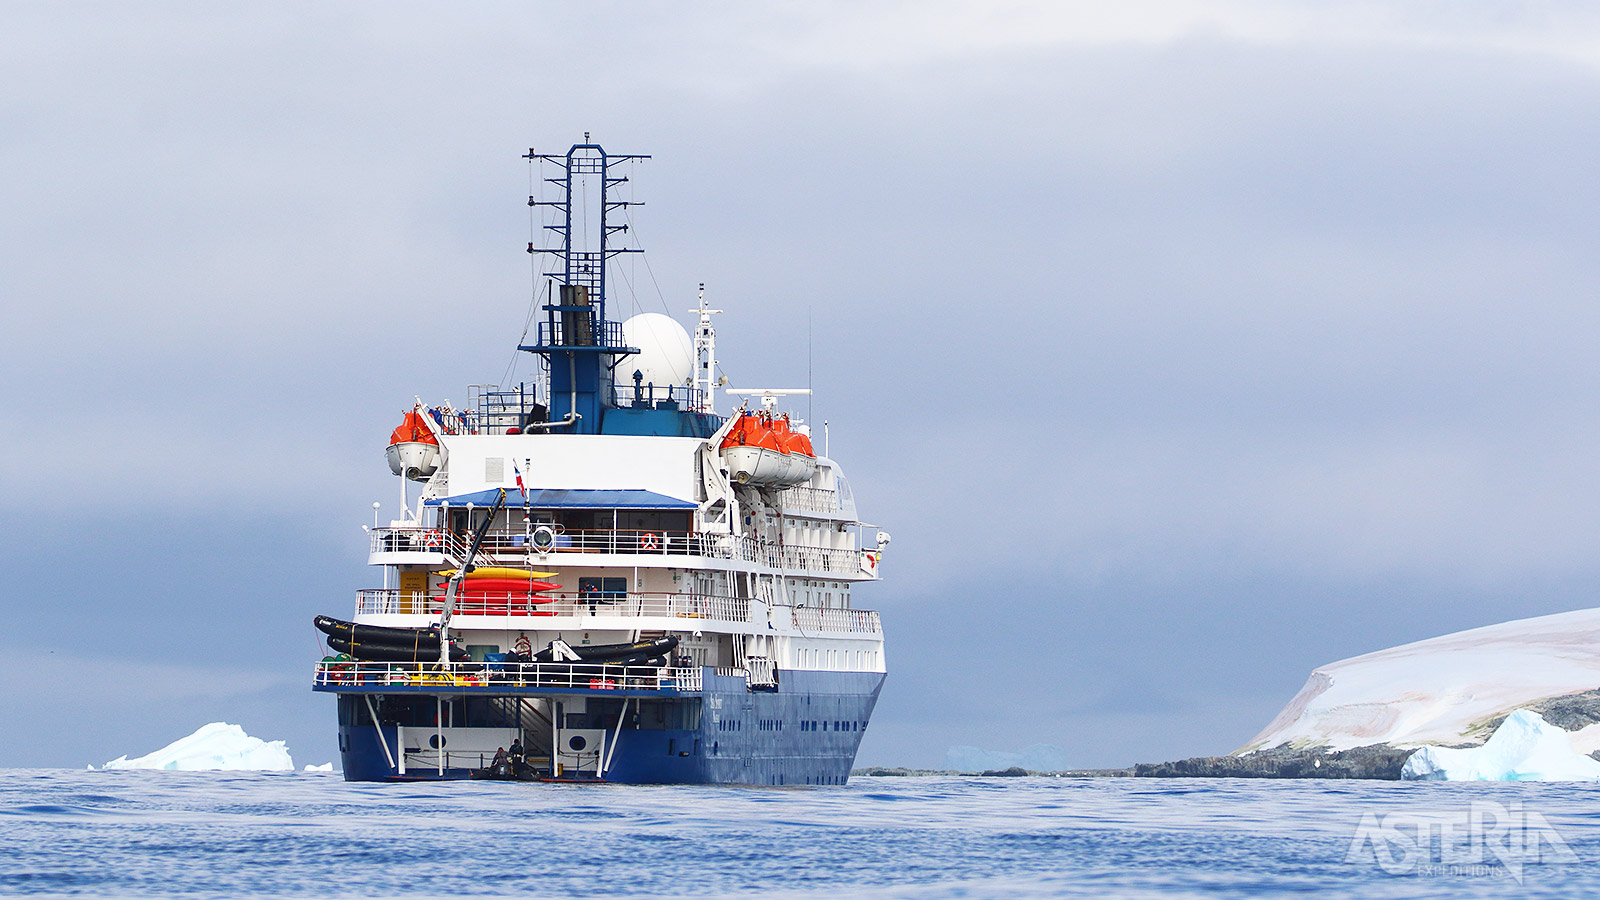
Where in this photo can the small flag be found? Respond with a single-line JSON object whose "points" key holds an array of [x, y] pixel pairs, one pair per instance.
{"points": [[520, 485]]}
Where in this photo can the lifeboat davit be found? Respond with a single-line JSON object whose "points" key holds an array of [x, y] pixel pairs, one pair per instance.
{"points": [[761, 449], [413, 450]]}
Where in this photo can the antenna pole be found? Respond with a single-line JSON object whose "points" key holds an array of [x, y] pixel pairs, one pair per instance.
{"points": [[810, 401], [705, 353]]}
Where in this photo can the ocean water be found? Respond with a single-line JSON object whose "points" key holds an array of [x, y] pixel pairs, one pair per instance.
{"points": [[228, 834]]}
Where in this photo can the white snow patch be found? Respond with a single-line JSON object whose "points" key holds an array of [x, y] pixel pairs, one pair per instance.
{"points": [[1434, 691], [215, 746], [1524, 748], [1586, 740], [325, 767]]}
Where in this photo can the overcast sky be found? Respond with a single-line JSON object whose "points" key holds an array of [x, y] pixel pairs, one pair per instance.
{"points": [[1182, 347]]}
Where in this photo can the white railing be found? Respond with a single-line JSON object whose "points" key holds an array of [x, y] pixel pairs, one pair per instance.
{"points": [[763, 671], [822, 559], [689, 679], [490, 677], [853, 621], [505, 545], [379, 601], [502, 547], [405, 539], [808, 499]]}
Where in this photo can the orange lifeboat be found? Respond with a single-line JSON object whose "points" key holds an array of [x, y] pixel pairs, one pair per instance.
{"points": [[413, 448], [799, 444], [752, 430], [761, 449], [413, 430]]}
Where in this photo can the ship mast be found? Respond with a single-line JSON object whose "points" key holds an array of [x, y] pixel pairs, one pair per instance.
{"points": [[580, 347], [705, 354]]}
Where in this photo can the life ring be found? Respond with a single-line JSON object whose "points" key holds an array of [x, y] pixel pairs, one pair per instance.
{"points": [[649, 542], [522, 646]]}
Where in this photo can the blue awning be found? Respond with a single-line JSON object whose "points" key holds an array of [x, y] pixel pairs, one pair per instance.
{"points": [[556, 498]]}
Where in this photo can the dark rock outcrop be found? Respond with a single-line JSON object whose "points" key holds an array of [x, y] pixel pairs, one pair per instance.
{"points": [[1376, 762], [1569, 712]]}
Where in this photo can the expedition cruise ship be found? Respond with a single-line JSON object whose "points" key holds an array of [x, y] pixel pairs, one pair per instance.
{"points": [[602, 577]]}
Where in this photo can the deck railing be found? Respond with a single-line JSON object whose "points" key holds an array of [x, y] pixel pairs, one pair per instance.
{"points": [[488, 677], [507, 547], [809, 499], [853, 621], [388, 601], [763, 672]]}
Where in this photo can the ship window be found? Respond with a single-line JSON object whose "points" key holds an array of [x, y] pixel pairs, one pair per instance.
{"points": [[603, 589]]}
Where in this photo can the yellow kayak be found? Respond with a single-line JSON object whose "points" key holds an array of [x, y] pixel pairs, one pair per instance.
{"points": [[499, 572]]}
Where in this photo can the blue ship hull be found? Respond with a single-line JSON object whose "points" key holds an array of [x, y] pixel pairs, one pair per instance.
{"points": [[806, 731]]}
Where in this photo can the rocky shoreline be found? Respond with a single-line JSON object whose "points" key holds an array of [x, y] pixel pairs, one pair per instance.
{"points": [[1382, 762]]}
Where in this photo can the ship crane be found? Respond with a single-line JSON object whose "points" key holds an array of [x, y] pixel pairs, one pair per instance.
{"points": [[461, 573]]}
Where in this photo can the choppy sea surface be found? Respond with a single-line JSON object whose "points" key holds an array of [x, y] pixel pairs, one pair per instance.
{"points": [[226, 834]]}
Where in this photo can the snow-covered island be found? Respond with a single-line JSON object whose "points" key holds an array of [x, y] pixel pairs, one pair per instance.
{"points": [[1514, 701]]}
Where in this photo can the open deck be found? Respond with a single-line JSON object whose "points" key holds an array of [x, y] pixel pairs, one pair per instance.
{"points": [[506, 547], [356, 676], [732, 610]]}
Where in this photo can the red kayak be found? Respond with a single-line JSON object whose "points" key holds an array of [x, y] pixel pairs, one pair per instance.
{"points": [[504, 586], [503, 606]]}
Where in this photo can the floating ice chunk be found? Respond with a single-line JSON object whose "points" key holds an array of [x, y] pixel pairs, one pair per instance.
{"points": [[1035, 758], [1524, 748], [215, 746], [325, 767]]}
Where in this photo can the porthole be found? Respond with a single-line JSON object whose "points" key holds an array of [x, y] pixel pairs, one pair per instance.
{"points": [[576, 742]]}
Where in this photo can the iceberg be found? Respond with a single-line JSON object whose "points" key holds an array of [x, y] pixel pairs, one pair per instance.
{"points": [[325, 767], [218, 745], [1524, 748]]}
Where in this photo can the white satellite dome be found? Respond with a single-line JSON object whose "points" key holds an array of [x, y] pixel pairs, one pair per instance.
{"points": [[665, 357]]}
